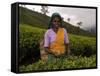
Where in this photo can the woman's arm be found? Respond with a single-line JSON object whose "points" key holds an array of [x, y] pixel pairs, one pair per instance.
{"points": [[66, 41]]}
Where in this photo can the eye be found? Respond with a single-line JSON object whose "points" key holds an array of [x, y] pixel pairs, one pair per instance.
{"points": [[56, 21]]}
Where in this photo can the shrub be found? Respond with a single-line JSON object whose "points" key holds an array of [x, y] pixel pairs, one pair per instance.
{"points": [[30, 37]]}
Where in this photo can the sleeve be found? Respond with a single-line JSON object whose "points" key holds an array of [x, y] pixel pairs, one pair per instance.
{"points": [[66, 40], [46, 39]]}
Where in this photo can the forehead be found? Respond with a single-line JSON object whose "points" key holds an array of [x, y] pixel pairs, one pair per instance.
{"points": [[56, 18]]}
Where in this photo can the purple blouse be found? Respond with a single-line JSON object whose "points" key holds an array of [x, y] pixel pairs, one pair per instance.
{"points": [[50, 36]]}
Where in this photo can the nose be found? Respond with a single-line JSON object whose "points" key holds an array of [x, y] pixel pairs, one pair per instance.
{"points": [[57, 22]]}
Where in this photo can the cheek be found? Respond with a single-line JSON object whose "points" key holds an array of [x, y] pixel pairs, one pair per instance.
{"points": [[59, 23], [55, 23]]}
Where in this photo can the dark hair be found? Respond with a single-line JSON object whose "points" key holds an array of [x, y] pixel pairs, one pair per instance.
{"points": [[52, 17]]}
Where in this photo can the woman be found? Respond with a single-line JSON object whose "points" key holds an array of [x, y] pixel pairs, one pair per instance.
{"points": [[56, 39]]}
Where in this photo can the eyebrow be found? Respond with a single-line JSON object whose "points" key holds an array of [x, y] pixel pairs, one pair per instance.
{"points": [[56, 20]]}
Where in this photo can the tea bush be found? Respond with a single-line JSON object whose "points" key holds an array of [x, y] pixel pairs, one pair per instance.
{"points": [[72, 62], [29, 38], [83, 50]]}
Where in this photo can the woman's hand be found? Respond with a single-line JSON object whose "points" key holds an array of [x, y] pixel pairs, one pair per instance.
{"points": [[47, 50], [58, 53]]}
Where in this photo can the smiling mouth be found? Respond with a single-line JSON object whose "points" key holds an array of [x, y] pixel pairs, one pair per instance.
{"points": [[56, 25]]}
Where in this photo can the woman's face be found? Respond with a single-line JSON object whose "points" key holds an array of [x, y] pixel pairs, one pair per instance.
{"points": [[56, 22]]}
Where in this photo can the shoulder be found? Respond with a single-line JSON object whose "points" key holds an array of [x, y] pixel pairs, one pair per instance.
{"points": [[48, 31], [64, 29]]}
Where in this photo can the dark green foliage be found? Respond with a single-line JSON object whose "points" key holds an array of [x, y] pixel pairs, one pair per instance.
{"points": [[83, 51], [72, 62], [84, 46], [29, 38]]}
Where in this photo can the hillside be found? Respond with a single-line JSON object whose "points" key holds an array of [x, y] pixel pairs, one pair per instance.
{"points": [[33, 18]]}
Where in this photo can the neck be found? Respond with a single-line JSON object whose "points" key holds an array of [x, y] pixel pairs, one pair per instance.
{"points": [[56, 29]]}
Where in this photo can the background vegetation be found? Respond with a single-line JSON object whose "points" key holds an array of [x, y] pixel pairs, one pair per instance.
{"points": [[32, 27]]}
